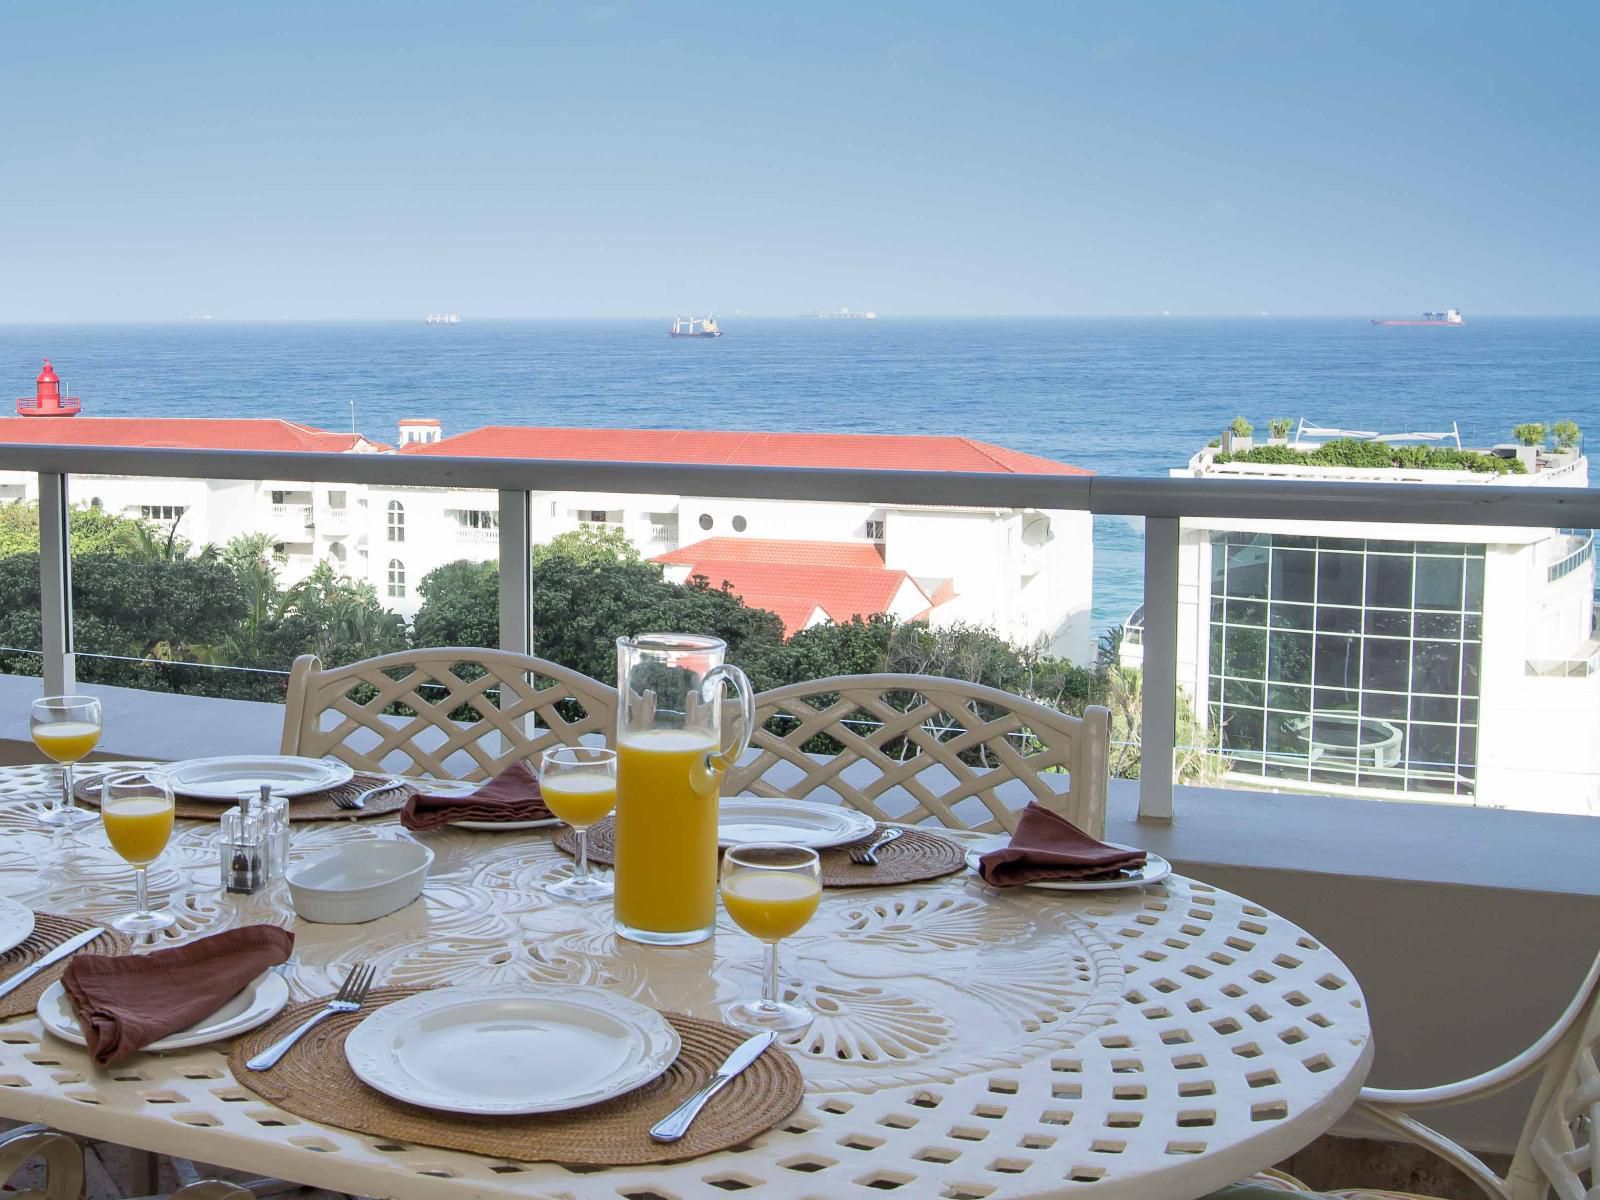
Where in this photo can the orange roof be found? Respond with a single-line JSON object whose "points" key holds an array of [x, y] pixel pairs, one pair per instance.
{"points": [[179, 433], [775, 550], [884, 452], [793, 579]]}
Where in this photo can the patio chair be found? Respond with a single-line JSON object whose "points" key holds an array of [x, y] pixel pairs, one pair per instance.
{"points": [[60, 1155], [452, 713], [1558, 1150], [914, 748]]}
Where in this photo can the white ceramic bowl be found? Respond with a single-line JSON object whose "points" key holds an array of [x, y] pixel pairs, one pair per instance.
{"points": [[359, 882]]}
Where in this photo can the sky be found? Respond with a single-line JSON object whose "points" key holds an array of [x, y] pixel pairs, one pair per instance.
{"points": [[341, 160]]}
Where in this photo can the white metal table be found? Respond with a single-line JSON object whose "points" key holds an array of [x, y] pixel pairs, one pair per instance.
{"points": [[1151, 1043]]}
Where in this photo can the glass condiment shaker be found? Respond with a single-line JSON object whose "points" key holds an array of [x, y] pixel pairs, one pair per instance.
{"points": [[243, 850], [274, 810]]}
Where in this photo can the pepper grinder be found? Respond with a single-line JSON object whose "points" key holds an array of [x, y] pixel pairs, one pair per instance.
{"points": [[243, 849]]}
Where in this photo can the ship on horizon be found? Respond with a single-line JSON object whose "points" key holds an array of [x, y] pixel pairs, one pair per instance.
{"points": [[842, 314], [443, 319], [1450, 316], [695, 327]]}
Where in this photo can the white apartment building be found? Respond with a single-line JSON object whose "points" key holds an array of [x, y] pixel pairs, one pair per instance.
{"points": [[1414, 660], [1025, 573]]}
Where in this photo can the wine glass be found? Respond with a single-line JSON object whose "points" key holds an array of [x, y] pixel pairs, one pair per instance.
{"points": [[579, 785], [66, 728], [136, 809], [770, 890]]}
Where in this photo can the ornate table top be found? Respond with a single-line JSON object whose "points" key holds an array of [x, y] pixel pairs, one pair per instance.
{"points": [[1156, 1042]]}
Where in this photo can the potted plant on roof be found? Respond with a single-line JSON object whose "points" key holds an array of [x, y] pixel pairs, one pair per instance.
{"points": [[1236, 437], [1278, 431], [1567, 435]]}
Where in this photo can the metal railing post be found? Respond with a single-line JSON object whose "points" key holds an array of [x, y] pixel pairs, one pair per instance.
{"points": [[516, 571], [1159, 688], [55, 586]]}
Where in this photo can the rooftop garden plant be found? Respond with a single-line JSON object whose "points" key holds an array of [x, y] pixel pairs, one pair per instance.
{"points": [[1347, 452], [1532, 433], [1566, 434]]}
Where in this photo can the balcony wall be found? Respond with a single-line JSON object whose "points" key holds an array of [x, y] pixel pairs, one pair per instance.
{"points": [[1427, 903]]}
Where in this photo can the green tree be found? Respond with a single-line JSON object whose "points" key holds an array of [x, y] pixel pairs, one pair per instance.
{"points": [[1531, 433], [93, 529], [1566, 434], [460, 605]]}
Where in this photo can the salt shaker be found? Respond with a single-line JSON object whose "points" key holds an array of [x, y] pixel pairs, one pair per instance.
{"points": [[243, 850], [274, 810]]}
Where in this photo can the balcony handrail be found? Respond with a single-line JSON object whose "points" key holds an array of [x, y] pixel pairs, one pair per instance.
{"points": [[1162, 501], [1102, 495]]}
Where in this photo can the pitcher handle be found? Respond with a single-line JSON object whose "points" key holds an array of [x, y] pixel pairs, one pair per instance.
{"points": [[733, 749]]}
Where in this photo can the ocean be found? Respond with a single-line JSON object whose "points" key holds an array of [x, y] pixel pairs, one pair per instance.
{"points": [[1122, 397]]}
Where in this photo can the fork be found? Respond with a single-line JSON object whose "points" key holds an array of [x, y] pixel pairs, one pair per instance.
{"points": [[348, 999], [359, 800], [867, 856]]}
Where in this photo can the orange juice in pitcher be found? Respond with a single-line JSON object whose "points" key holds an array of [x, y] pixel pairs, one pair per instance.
{"points": [[671, 756]]}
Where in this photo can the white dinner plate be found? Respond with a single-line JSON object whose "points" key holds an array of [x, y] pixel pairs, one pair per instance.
{"points": [[465, 787], [793, 822], [260, 1001], [510, 1050], [16, 924], [225, 779], [1154, 870]]}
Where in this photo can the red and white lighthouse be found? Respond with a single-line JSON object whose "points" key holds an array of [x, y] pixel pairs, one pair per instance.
{"points": [[47, 400]]}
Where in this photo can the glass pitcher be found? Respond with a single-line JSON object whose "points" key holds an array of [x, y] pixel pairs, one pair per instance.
{"points": [[671, 755]]}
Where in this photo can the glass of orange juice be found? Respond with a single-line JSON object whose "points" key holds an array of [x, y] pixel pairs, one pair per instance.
{"points": [[66, 728], [579, 785], [770, 890], [136, 809]]}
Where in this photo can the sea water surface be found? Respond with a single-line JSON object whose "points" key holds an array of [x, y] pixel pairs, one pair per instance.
{"points": [[1122, 397]]}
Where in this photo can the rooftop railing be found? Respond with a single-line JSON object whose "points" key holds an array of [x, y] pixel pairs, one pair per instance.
{"points": [[1163, 503]]}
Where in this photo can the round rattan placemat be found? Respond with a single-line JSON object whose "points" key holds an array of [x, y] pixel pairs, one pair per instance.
{"points": [[314, 1081], [915, 856], [49, 931], [318, 806]]}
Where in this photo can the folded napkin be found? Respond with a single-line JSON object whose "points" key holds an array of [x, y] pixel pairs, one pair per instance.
{"points": [[1046, 846], [512, 795], [125, 1002]]}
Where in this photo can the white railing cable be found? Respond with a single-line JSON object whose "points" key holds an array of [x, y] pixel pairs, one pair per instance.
{"points": [[1158, 691], [55, 585]]}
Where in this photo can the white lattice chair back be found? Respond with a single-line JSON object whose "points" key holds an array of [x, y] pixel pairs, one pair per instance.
{"points": [[918, 747], [1558, 1152], [473, 712]]}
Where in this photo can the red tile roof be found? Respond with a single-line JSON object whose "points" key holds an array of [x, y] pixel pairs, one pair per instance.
{"points": [[181, 433], [793, 579], [888, 452]]}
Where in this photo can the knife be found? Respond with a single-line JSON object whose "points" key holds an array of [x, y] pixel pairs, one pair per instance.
{"points": [[71, 945], [676, 1123]]}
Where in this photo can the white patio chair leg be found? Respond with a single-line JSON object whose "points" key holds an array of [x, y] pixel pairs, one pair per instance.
{"points": [[63, 1162], [213, 1189]]}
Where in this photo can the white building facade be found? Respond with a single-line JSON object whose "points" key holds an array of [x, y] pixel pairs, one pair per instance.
{"points": [[1409, 660]]}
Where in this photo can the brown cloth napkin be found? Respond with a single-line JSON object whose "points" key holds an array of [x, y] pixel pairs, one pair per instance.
{"points": [[1046, 846], [124, 1002], [512, 795]]}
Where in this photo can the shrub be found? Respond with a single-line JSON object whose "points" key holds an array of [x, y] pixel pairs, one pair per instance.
{"points": [[1279, 427], [1241, 428], [1566, 434], [1348, 452], [1530, 434]]}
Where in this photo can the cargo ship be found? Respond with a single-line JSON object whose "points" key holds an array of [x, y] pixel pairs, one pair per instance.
{"points": [[695, 327], [1450, 316]]}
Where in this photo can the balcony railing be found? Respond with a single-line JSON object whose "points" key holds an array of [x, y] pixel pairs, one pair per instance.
{"points": [[1162, 502]]}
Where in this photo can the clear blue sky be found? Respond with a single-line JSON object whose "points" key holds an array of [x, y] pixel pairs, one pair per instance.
{"points": [[594, 159]]}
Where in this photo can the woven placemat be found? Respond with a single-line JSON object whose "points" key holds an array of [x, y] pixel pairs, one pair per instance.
{"points": [[49, 931], [911, 858], [314, 1081], [317, 806]]}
